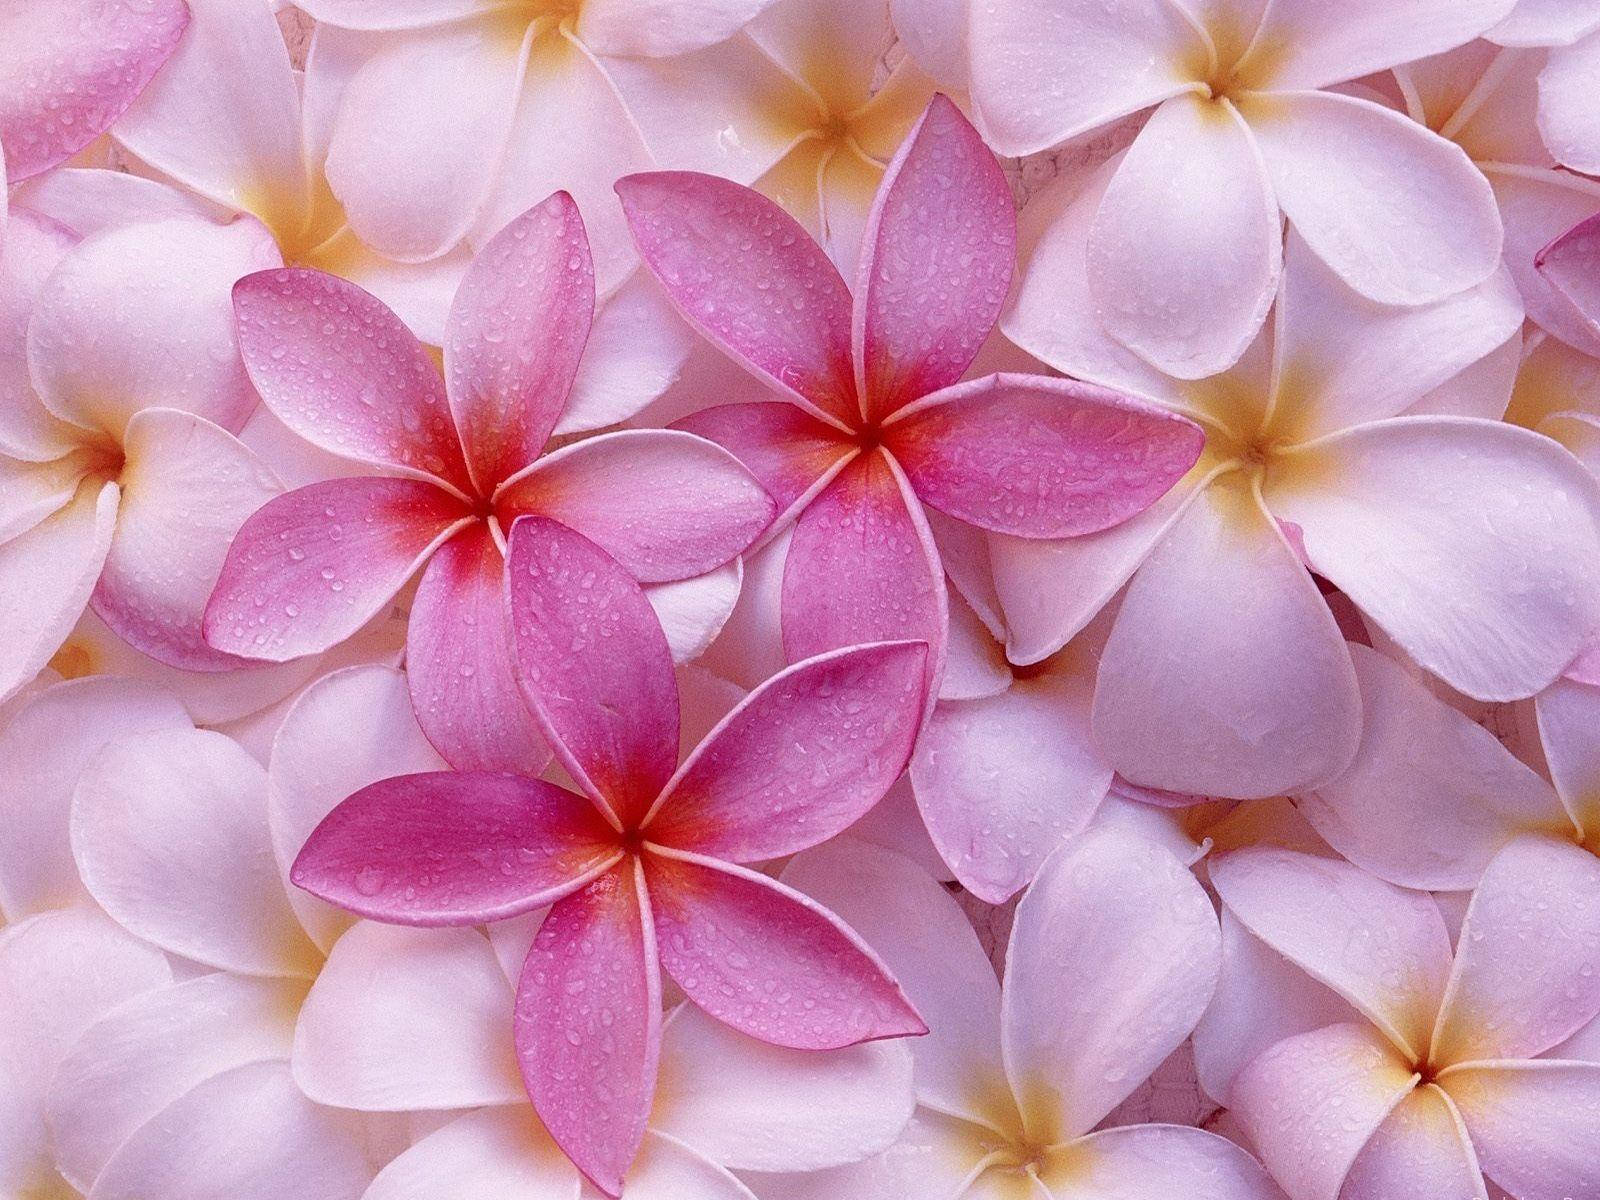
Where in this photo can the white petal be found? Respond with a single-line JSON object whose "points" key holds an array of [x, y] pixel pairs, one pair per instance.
{"points": [[494, 1152], [635, 352], [1537, 206], [658, 28], [1569, 107]]}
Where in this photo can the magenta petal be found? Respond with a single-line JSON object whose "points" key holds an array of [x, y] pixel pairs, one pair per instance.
{"points": [[801, 758], [516, 331], [593, 664], [588, 1023], [770, 962], [71, 68], [454, 848], [749, 277], [1039, 457], [862, 567], [458, 661], [936, 261], [341, 370], [311, 567], [785, 447]]}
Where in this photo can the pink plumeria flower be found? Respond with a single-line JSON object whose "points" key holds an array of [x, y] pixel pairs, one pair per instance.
{"points": [[1471, 543], [1186, 249], [643, 874], [457, 457], [1112, 959], [1364, 1059], [876, 425]]}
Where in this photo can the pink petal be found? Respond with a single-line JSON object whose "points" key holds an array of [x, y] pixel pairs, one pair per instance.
{"points": [[516, 331], [311, 567], [1384, 949], [454, 848], [594, 666], [1421, 1149], [769, 961], [862, 567], [459, 665], [1154, 1162], [1527, 970], [34, 247], [1571, 265], [801, 758], [1534, 1124], [665, 504], [1568, 716], [936, 262], [749, 277], [1041, 458], [71, 68], [787, 449], [1311, 1102], [588, 1023], [342, 371]]}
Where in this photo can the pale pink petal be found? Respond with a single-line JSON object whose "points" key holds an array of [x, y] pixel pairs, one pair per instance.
{"points": [[975, 663], [187, 487], [1474, 544], [312, 567], [140, 315], [169, 830], [402, 1020], [1038, 457], [786, 448], [745, 274], [1311, 1102], [1567, 105], [1569, 265], [935, 264], [1537, 206], [862, 566], [1384, 949], [394, 14], [637, 350], [1225, 673], [588, 1023], [34, 246], [934, 1156], [32, 491], [1545, 23], [491, 1152], [665, 504], [693, 611], [1527, 971], [1534, 1124], [1043, 71], [1153, 1162], [594, 666], [345, 373], [516, 331], [1569, 732], [801, 757], [46, 577], [1000, 781], [1398, 212], [768, 960], [454, 848], [459, 664], [1421, 1149], [1431, 796], [88, 200], [1304, 44], [296, 1148], [419, 293], [658, 28], [934, 33], [757, 1107], [1185, 248], [1112, 959], [72, 68]]}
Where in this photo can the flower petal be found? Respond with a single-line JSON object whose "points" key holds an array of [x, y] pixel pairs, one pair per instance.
{"points": [[658, 28], [594, 666], [1038, 457], [344, 372], [1113, 957], [934, 1156], [34, 246], [490, 1152], [1533, 1124], [311, 567], [786, 448], [1148, 1162], [1398, 212], [588, 1023], [1537, 207], [693, 611], [747, 276], [637, 350], [769, 961], [394, 14], [516, 331], [1421, 1149], [1568, 715], [800, 758], [1545, 23], [454, 848], [1567, 108], [1474, 544]]}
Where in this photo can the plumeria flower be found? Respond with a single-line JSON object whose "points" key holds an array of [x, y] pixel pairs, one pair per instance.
{"points": [[1557, 392], [1473, 544], [876, 425], [1364, 1060], [457, 458], [1185, 250], [121, 390], [643, 874], [1111, 961]]}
